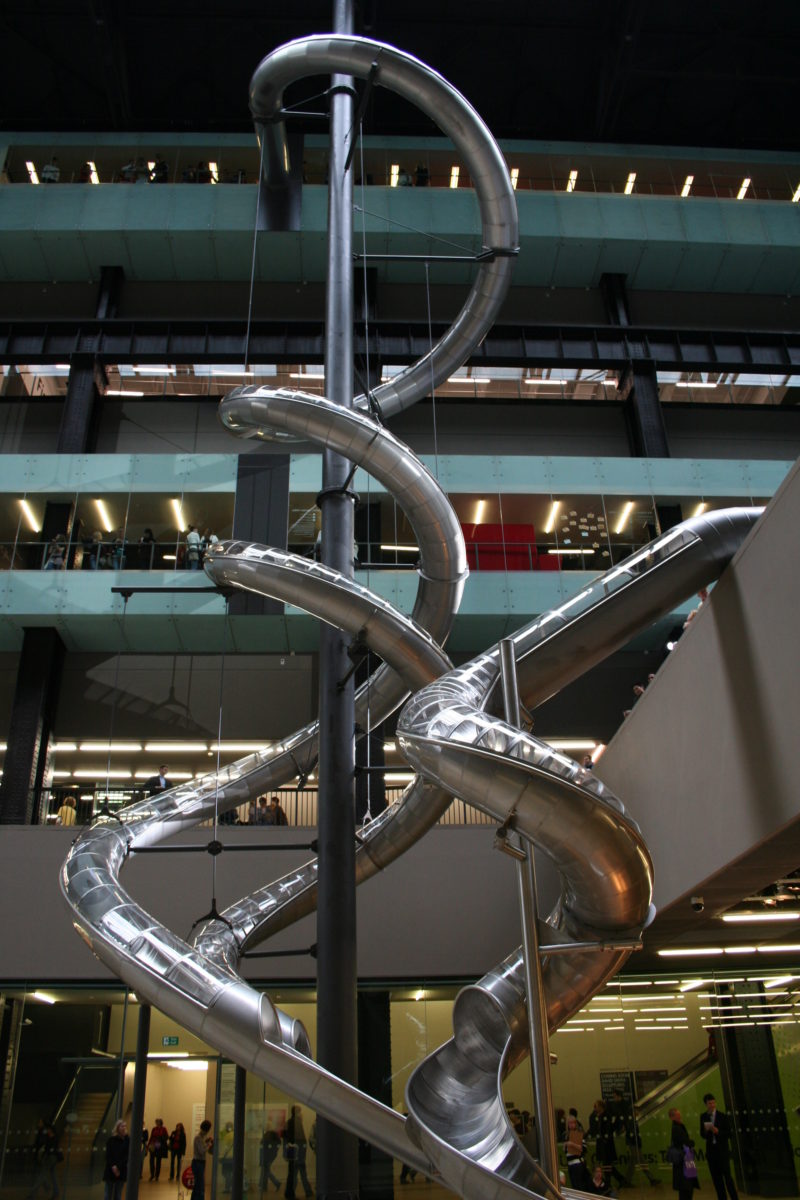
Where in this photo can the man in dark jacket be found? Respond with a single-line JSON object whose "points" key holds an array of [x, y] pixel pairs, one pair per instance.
{"points": [[715, 1127]]}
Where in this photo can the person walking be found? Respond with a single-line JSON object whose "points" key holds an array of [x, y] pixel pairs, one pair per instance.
{"points": [[268, 1152], [295, 1148], [116, 1165], [201, 1145], [48, 1158], [157, 1148], [715, 1127]]}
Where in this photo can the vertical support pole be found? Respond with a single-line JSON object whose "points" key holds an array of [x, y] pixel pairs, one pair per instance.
{"points": [[137, 1108], [537, 1007], [121, 1077], [30, 728], [647, 432], [337, 1151], [239, 1100]]}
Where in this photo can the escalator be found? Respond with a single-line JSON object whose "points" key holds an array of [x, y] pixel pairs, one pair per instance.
{"points": [[688, 1073]]}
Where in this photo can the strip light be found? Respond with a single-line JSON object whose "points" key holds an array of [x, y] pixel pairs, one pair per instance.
{"points": [[94, 177], [32, 175], [547, 382], [410, 549], [573, 179], [701, 508], [754, 917], [454, 174], [743, 189], [307, 375], [44, 997], [631, 181], [176, 508], [212, 166], [120, 392], [111, 747], [479, 511], [394, 174], [551, 519], [175, 747], [29, 517], [796, 195], [515, 178], [105, 520], [578, 550], [623, 520], [695, 383], [687, 185]]}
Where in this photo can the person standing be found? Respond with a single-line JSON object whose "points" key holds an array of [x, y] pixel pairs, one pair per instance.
{"points": [[680, 1140], [715, 1127], [116, 1168], [157, 783], [193, 549], [575, 1153], [605, 1148], [157, 1148], [276, 814], [202, 1143], [177, 1149], [270, 1145]]}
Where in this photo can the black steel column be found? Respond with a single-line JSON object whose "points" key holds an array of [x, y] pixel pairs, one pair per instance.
{"points": [[32, 716], [80, 414], [137, 1108], [337, 1151], [646, 430], [239, 1101]]}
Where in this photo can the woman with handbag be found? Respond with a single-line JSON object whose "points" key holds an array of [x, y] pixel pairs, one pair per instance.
{"points": [[575, 1152], [680, 1153]]}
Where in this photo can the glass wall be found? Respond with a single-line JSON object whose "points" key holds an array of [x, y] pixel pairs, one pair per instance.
{"points": [[643, 1046]]}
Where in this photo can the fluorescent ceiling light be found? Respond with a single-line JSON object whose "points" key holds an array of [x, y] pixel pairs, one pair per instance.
{"points": [[398, 776], [630, 182], [573, 179], [547, 382], [779, 948], [741, 918], [740, 949], [32, 175], [470, 379], [102, 773], [551, 519], [796, 195], [515, 178], [633, 983], [213, 168], [778, 980], [61, 774], [233, 371], [188, 1066], [479, 511], [176, 508], [172, 774], [695, 383], [701, 508], [743, 189], [307, 375], [239, 747], [691, 952], [454, 174], [687, 185], [394, 174], [65, 747], [43, 997], [576, 551], [105, 520], [389, 747], [168, 1054], [154, 370], [391, 546], [175, 747], [122, 392], [29, 517], [95, 178], [623, 520], [112, 747]]}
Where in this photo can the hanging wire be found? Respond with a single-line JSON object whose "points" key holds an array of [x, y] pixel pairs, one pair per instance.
{"points": [[426, 233], [367, 817], [253, 264], [219, 752]]}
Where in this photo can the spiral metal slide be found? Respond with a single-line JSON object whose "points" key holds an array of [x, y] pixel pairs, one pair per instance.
{"points": [[449, 731]]}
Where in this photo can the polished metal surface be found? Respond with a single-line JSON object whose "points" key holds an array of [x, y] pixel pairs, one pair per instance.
{"points": [[458, 1128]]}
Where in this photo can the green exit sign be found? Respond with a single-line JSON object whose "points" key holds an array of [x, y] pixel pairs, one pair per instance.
{"points": [[169, 1041]]}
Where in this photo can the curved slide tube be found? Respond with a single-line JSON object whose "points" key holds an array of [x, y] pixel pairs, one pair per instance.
{"points": [[448, 731]]}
